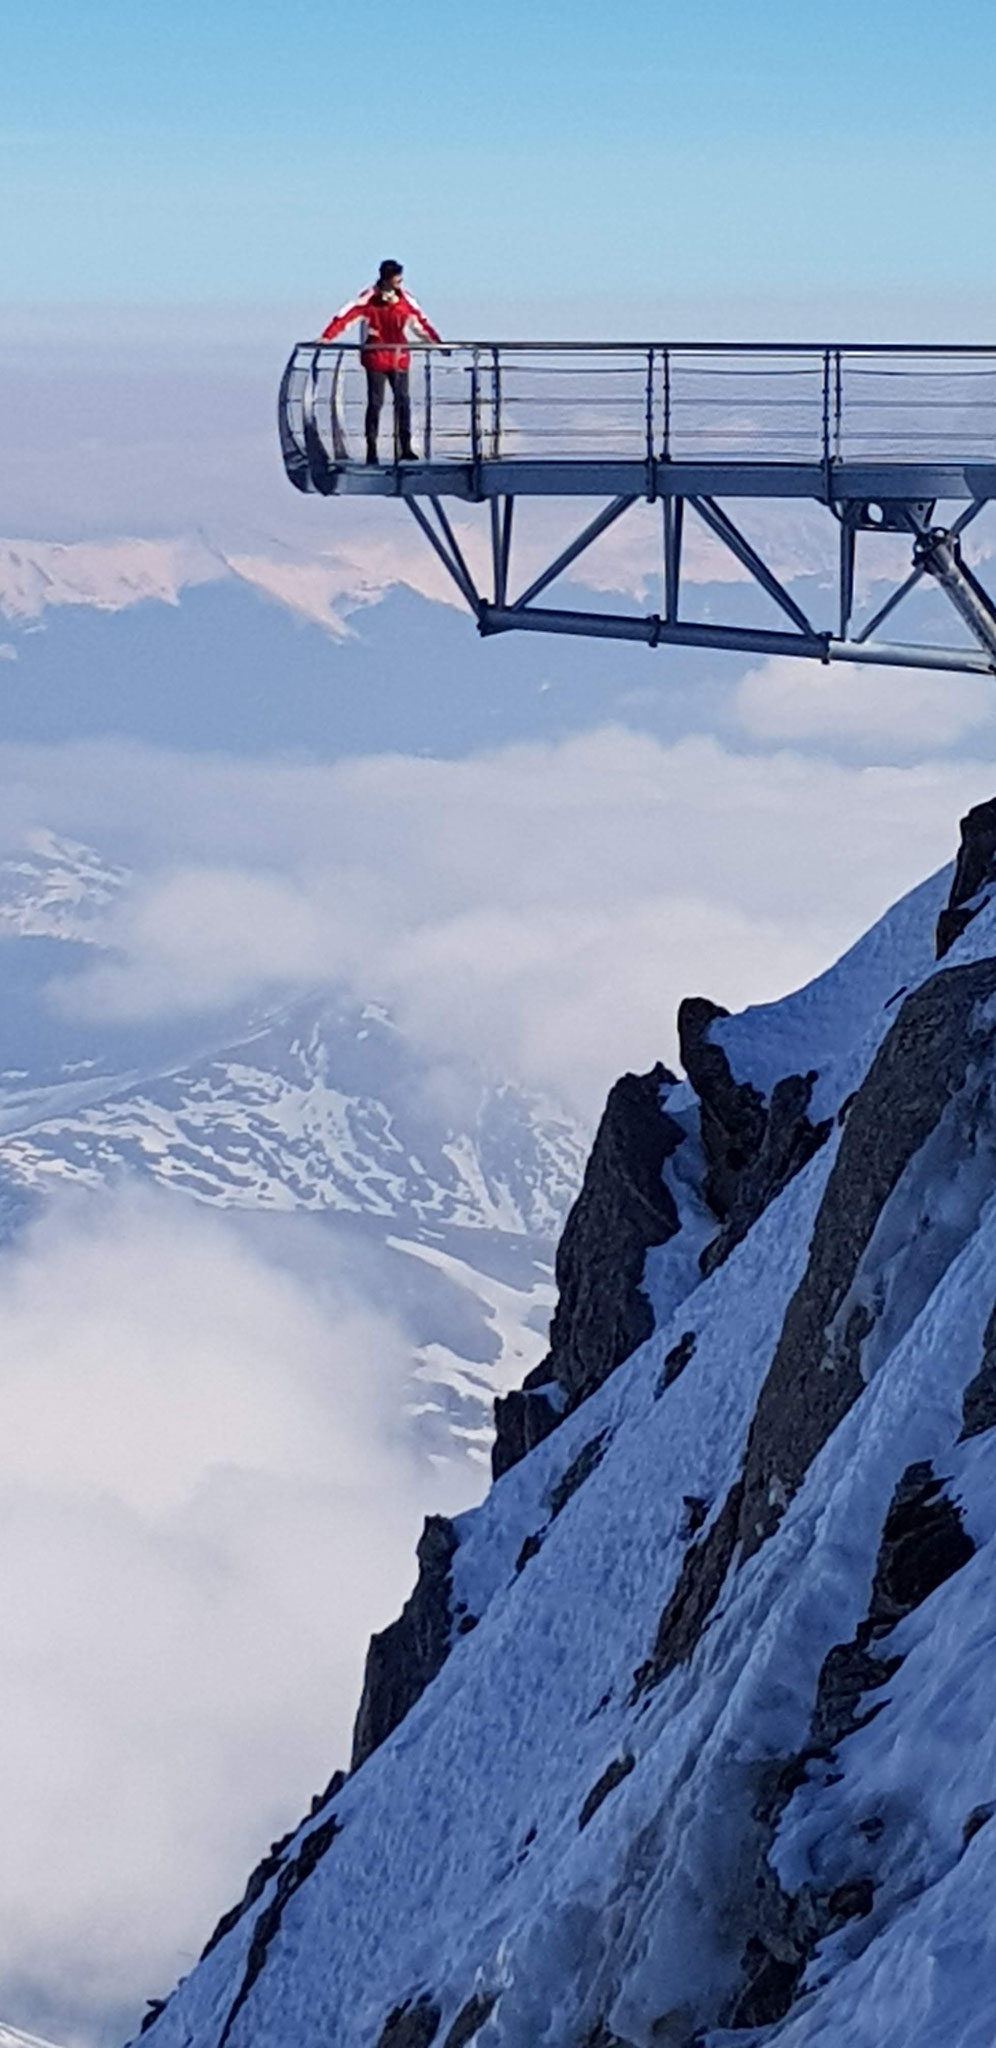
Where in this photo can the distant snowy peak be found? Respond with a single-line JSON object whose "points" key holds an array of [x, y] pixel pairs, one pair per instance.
{"points": [[55, 888], [314, 1111], [38, 576]]}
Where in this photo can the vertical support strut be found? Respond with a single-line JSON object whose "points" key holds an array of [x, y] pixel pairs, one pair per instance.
{"points": [[501, 546], [847, 545], [505, 551], [674, 519]]}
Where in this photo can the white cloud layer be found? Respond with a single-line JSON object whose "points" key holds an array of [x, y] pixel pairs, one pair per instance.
{"points": [[543, 908], [907, 708], [207, 1501]]}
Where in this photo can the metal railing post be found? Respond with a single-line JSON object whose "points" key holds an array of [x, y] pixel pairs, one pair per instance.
{"points": [[496, 401], [666, 443], [838, 403], [651, 465], [475, 417], [427, 423]]}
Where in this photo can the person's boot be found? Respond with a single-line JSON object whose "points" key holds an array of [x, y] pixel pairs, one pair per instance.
{"points": [[372, 456], [408, 453]]}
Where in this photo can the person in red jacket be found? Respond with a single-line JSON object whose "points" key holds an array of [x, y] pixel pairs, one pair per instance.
{"points": [[385, 309]]}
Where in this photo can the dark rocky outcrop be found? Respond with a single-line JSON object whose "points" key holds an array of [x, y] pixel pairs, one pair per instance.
{"points": [[788, 1143], [978, 1408], [412, 2025], [580, 1468], [470, 2019], [975, 1821], [266, 1868], [752, 1148], [975, 869], [675, 1361], [704, 1567], [404, 1658], [613, 1775], [290, 1879], [816, 1374], [923, 1543], [732, 1114], [602, 1312], [524, 1417]]}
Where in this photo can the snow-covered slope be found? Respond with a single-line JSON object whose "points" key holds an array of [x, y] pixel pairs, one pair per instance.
{"points": [[686, 1736]]}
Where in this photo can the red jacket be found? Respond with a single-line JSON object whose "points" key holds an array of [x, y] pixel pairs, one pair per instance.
{"points": [[385, 316]]}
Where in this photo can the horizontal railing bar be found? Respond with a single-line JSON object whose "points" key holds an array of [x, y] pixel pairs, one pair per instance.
{"points": [[677, 348]]}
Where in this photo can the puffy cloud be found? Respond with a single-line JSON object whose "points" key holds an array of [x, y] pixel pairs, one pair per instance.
{"points": [[208, 1500], [544, 907], [911, 709]]}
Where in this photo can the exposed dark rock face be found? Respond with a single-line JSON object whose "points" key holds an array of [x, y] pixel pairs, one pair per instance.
{"points": [[753, 1148], [979, 1818], [580, 1468], [733, 1114], [404, 1658], [522, 1419], [411, 2025], [470, 2019], [703, 1570], [266, 1868], [332, 1791], [613, 1775], [975, 868], [978, 1411], [291, 1877], [602, 1313], [695, 1515], [675, 1361], [787, 1145], [815, 1375], [923, 1543], [530, 1547]]}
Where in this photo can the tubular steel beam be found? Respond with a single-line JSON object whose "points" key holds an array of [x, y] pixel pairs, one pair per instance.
{"points": [[722, 526], [595, 527], [940, 554], [455, 567], [658, 632], [964, 519]]}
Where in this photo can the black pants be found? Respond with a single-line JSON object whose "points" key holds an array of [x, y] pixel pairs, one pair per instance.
{"points": [[377, 380]]}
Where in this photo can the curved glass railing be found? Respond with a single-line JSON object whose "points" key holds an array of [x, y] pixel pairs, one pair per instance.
{"points": [[483, 402]]}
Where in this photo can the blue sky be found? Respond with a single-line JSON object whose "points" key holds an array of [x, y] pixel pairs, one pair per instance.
{"points": [[780, 158]]}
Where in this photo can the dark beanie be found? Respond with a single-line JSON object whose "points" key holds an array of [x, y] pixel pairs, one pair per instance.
{"points": [[389, 268]]}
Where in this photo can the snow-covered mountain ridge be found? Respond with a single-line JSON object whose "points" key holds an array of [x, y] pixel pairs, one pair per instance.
{"points": [[700, 1749], [313, 1105]]}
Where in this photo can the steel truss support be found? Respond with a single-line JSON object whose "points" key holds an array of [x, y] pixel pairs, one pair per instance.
{"points": [[936, 554]]}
